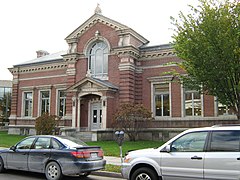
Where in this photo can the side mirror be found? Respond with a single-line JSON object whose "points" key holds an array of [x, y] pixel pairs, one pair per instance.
{"points": [[13, 148], [168, 148]]}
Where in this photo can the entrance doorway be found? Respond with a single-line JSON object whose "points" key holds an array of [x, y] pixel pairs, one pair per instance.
{"points": [[96, 116]]}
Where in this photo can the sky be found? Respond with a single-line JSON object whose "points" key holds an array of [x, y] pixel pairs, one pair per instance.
{"points": [[31, 25]]}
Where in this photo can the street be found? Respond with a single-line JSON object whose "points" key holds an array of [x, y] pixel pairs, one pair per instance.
{"points": [[21, 175]]}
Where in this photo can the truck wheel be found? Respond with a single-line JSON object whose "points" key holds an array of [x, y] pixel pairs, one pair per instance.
{"points": [[1, 165], [144, 174]]}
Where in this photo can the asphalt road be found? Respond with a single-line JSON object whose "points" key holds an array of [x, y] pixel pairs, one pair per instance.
{"points": [[19, 175]]}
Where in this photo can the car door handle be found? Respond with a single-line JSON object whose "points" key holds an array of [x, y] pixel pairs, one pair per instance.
{"points": [[196, 157], [238, 158]]}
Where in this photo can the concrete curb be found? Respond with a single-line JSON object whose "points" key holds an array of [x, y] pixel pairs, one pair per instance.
{"points": [[107, 174]]}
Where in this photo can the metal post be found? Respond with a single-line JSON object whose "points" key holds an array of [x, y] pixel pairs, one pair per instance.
{"points": [[119, 135]]}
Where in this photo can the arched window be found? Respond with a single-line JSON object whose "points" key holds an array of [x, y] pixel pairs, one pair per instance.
{"points": [[98, 60]]}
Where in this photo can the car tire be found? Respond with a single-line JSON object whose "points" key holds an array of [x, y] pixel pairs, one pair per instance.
{"points": [[144, 173], [1, 165], [53, 171], [85, 174]]}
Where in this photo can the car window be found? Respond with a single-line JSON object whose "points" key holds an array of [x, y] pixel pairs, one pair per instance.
{"points": [[56, 144], [191, 142], [225, 141], [25, 144], [42, 143]]}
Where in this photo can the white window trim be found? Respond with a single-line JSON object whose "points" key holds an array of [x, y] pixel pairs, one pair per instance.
{"points": [[23, 103], [57, 101], [103, 76], [40, 101], [183, 103], [153, 100]]}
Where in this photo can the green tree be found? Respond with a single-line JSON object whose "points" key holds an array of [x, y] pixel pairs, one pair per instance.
{"points": [[46, 124], [132, 119], [208, 41]]}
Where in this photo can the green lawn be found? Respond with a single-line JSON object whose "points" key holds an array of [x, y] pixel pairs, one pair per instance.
{"points": [[110, 148], [7, 140]]}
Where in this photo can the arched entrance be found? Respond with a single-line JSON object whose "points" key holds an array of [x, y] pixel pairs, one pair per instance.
{"points": [[90, 103]]}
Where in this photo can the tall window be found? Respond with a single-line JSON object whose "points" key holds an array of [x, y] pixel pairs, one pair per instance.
{"points": [[61, 103], [161, 96], [27, 103], [45, 101], [98, 60], [193, 103]]}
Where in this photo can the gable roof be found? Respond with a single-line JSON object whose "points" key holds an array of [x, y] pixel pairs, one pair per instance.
{"points": [[101, 83], [122, 29]]}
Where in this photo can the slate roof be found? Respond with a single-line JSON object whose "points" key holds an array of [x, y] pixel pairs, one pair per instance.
{"points": [[44, 59]]}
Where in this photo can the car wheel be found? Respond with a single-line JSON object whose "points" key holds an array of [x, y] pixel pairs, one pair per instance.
{"points": [[85, 174], [144, 174], [1, 165], [53, 171]]}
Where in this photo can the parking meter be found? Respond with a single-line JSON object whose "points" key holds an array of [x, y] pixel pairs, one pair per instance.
{"points": [[119, 137]]}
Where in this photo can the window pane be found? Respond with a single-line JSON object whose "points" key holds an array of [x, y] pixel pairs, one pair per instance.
{"points": [[225, 141], [25, 144], [162, 106], [192, 142], [166, 110], [98, 59], [158, 107], [61, 103], [42, 143], [193, 104], [45, 102], [27, 104], [1, 92]]}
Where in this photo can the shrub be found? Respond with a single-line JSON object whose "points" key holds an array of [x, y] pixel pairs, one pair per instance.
{"points": [[46, 124], [132, 119]]}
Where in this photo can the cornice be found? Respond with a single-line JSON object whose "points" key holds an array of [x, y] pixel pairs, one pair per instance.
{"points": [[96, 18], [127, 51], [71, 57], [39, 68], [148, 55]]}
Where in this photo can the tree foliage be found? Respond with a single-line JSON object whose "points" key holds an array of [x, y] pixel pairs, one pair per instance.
{"points": [[132, 118], [46, 124], [208, 41]]}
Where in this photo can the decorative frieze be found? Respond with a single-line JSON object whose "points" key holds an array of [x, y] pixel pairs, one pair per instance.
{"points": [[31, 69]]}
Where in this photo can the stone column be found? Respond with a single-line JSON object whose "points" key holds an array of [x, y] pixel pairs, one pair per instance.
{"points": [[74, 104], [79, 114], [104, 112]]}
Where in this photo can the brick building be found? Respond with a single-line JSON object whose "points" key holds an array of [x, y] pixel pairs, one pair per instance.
{"points": [[107, 63]]}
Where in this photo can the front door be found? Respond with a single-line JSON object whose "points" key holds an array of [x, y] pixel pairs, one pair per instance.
{"points": [[96, 116]]}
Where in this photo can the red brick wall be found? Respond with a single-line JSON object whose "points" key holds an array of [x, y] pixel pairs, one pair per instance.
{"points": [[176, 99], [208, 104], [105, 31]]}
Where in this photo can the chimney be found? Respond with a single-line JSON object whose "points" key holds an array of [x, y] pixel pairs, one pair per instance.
{"points": [[41, 53]]}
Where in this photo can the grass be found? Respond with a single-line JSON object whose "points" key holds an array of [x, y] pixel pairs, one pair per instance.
{"points": [[111, 148], [112, 168], [7, 140]]}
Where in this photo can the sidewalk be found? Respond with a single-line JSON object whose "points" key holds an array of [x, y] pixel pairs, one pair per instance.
{"points": [[110, 160], [113, 160]]}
